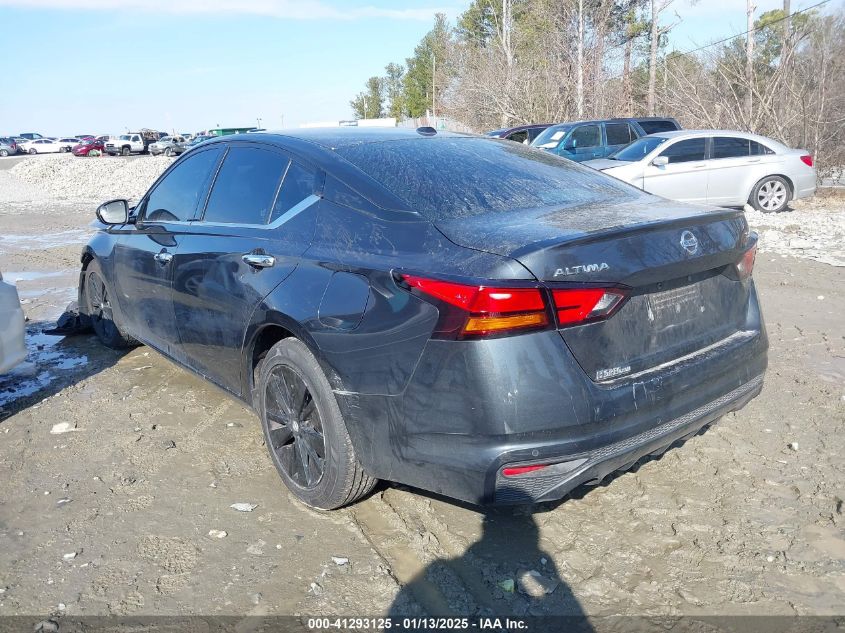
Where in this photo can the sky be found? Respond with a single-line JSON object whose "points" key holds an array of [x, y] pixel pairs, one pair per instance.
{"points": [[104, 66]]}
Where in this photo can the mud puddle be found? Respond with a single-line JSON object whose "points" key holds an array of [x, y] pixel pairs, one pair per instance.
{"points": [[49, 356]]}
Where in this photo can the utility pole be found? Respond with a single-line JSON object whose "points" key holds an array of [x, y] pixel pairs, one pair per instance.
{"points": [[749, 65]]}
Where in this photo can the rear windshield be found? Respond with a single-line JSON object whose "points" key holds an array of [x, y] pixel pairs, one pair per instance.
{"points": [[457, 177], [655, 126]]}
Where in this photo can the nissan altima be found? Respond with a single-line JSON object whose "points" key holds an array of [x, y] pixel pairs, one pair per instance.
{"points": [[465, 315]]}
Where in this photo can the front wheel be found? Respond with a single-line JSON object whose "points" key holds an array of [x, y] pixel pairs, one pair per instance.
{"points": [[305, 431], [33, 151], [99, 308], [770, 195], [124, 151], [168, 151]]}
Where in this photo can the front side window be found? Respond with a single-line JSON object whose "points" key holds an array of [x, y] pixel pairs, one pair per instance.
{"points": [[730, 147], [685, 151], [245, 186], [175, 197], [584, 136], [299, 183], [618, 133]]}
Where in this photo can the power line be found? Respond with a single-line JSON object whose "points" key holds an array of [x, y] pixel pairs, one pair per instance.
{"points": [[756, 28]]}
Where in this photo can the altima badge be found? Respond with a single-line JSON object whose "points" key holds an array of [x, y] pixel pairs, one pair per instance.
{"points": [[689, 242]]}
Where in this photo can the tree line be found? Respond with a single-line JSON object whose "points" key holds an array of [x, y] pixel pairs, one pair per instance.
{"points": [[510, 62]]}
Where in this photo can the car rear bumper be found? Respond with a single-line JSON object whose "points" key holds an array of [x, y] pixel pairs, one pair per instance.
{"points": [[12, 329], [805, 185], [472, 408]]}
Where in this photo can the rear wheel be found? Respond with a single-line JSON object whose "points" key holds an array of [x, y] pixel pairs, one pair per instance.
{"points": [[4, 153], [771, 194], [33, 151], [305, 431], [100, 311]]}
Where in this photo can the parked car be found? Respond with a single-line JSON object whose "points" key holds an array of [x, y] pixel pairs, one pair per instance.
{"points": [[30, 136], [12, 329], [87, 146], [587, 140], [716, 167], [521, 133], [68, 143], [20, 141], [169, 146], [199, 138], [131, 143], [83, 137], [43, 146], [8, 146], [313, 282]]}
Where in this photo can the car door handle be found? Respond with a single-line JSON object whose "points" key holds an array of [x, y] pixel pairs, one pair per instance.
{"points": [[257, 260], [702, 166], [754, 160], [163, 257]]}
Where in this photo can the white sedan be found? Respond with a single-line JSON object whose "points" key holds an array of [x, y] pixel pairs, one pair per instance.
{"points": [[43, 146], [12, 331], [724, 168]]}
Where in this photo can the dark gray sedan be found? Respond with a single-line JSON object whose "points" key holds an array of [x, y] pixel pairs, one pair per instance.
{"points": [[461, 314]]}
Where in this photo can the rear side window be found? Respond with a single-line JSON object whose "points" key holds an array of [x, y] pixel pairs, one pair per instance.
{"points": [[452, 177], [584, 136], [758, 149], [299, 183], [685, 151], [519, 137], [618, 133], [175, 197], [245, 186], [658, 125], [730, 147]]}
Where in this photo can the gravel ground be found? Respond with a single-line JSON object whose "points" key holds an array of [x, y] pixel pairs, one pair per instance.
{"points": [[128, 510]]}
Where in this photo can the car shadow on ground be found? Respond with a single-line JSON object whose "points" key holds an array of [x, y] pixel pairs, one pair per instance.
{"points": [[52, 364], [505, 574]]}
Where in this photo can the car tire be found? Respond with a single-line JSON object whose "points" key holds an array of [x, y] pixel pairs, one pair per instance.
{"points": [[4, 153], [167, 152], [32, 151], [100, 312], [304, 429], [771, 195], [124, 151]]}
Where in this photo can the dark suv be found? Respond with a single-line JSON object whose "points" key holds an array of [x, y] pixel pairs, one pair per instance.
{"points": [[588, 140], [520, 133], [461, 314]]}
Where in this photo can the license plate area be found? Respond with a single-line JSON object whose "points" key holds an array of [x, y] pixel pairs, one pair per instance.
{"points": [[675, 306]]}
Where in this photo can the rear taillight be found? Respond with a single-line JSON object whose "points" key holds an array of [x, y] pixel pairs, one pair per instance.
{"points": [[470, 311], [745, 265], [582, 305], [807, 160]]}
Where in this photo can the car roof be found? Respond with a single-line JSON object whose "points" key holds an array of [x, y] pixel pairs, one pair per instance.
{"points": [[334, 138], [698, 133]]}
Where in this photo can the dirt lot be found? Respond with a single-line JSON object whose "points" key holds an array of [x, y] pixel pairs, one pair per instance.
{"points": [[116, 515]]}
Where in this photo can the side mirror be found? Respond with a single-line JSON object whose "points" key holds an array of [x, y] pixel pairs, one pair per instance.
{"points": [[660, 161], [569, 145], [113, 212]]}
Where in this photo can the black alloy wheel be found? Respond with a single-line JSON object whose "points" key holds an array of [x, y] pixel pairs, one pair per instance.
{"points": [[295, 427]]}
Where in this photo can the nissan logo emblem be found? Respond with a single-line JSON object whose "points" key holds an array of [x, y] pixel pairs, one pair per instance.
{"points": [[689, 242]]}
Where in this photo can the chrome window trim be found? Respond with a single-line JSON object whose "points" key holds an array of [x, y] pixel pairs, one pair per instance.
{"points": [[282, 219]]}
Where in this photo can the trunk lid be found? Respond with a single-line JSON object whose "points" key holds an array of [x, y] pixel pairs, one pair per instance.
{"points": [[675, 259]]}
